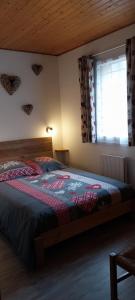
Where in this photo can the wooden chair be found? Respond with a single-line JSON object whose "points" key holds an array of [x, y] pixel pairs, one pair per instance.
{"points": [[125, 260]]}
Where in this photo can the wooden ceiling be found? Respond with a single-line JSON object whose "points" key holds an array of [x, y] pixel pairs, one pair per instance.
{"points": [[57, 26]]}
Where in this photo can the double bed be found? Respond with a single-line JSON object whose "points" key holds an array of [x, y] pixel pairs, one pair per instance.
{"points": [[41, 210]]}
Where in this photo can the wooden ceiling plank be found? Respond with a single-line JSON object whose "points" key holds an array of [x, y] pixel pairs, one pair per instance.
{"points": [[92, 25], [104, 23], [29, 27], [58, 44], [56, 25]]}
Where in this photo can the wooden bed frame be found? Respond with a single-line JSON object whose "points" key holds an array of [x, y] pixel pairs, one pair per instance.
{"points": [[29, 148], [26, 148]]}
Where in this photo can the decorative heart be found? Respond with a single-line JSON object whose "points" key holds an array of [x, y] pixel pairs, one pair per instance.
{"points": [[10, 83], [37, 69], [27, 108]]}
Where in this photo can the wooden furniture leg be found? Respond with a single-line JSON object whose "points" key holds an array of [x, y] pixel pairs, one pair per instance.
{"points": [[113, 277]]}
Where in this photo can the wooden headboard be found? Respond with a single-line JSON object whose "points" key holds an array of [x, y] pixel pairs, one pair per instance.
{"points": [[26, 148]]}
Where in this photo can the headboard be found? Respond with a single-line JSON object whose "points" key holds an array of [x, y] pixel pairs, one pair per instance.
{"points": [[26, 148]]}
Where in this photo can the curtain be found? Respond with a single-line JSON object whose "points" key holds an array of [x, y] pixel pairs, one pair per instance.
{"points": [[111, 101], [88, 116], [130, 53]]}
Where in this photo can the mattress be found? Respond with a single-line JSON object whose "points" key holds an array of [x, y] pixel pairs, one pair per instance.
{"points": [[32, 205]]}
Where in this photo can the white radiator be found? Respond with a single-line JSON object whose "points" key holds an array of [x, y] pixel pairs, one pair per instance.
{"points": [[114, 167]]}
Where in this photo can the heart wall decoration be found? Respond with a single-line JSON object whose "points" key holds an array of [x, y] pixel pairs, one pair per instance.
{"points": [[27, 108], [10, 83], [37, 69]]}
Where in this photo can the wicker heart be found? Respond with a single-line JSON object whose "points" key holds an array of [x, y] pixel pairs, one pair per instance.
{"points": [[37, 69], [27, 108], [10, 83]]}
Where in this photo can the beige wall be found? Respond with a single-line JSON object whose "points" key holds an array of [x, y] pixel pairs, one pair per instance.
{"points": [[87, 156], [42, 91]]}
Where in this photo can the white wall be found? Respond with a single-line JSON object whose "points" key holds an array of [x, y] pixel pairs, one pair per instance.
{"points": [[87, 155], [42, 91]]}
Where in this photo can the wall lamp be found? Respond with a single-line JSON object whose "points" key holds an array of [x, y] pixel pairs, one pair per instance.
{"points": [[49, 129]]}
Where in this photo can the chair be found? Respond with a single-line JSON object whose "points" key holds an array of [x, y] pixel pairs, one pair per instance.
{"points": [[125, 260]]}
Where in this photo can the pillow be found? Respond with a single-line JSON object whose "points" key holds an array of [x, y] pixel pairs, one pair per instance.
{"points": [[15, 169], [45, 164]]}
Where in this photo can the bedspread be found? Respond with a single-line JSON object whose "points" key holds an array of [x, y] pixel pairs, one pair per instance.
{"points": [[32, 205]]}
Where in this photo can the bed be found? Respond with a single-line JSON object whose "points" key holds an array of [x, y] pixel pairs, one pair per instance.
{"points": [[39, 211]]}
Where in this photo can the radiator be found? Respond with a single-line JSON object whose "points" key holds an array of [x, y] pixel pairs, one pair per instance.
{"points": [[114, 167]]}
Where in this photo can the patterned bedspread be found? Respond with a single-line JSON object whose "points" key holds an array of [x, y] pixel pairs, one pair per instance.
{"points": [[35, 204]]}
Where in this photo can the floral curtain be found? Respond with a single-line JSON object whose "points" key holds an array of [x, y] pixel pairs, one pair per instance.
{"points": [[88, 115], [130, 53]]}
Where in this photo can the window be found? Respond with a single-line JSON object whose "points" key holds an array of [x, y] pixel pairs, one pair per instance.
{"points": [[111, 100]]}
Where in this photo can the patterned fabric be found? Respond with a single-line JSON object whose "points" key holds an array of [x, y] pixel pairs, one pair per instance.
{"points": [[14, 169], [59, 206], [45, 164], [32, 205], [88, 115], [86, 202], [130, 52], [58, 184]]}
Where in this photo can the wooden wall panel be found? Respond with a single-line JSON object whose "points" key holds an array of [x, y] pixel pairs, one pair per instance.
{"points": [[57, 26]]}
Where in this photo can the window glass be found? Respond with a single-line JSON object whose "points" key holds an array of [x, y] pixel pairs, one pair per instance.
{"points": [[111, 100]]}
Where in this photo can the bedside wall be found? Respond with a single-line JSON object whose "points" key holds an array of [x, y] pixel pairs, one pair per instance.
{"points": [[42, 91]]}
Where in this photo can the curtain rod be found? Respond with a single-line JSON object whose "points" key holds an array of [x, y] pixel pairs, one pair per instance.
{"points": [[108, 50]]}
